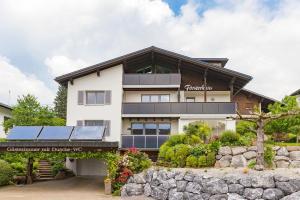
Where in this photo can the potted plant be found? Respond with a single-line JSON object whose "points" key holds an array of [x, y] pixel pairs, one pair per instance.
{"points": [[107, 185]]}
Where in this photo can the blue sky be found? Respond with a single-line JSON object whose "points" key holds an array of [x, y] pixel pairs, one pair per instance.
{"points": [[43, 39]]}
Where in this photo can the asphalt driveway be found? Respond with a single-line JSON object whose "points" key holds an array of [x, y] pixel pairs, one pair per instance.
{"points": [[76, 188]]}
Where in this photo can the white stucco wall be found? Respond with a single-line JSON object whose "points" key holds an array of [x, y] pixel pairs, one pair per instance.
{"points": [[4, 112], [211, 96], [109, 79]]}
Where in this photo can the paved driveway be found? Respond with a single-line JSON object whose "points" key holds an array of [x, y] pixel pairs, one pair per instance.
{"points": [[76, 188]]}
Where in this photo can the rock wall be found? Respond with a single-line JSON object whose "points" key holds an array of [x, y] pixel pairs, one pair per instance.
{"points": [[180, 185], [241, 156]]}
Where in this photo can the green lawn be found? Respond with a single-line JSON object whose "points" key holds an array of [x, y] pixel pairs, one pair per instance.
{"points": [[286, 144]]}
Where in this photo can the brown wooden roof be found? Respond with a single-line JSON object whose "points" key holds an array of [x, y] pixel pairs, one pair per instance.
{"points": [[243, 79]]}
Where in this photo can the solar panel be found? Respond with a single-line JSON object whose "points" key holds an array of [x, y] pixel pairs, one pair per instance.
{"points": [[55, 133], [88, 133], [24, 132]]}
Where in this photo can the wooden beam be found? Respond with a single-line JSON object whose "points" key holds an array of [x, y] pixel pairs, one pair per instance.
{"points": [[152, 62], [71, 81], [205, 84], [179, 66], [29, 178], [231, 88], [98, 73]]}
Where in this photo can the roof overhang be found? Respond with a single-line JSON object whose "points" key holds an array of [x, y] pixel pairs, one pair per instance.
{"points": [[240, 78], [297, 92], [57, 146], [5, 106]]}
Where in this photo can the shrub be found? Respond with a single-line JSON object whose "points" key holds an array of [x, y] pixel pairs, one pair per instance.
{"points": [[200, 150], [137, 161], [181, 152], [230, 138], [214, 146], [211, 159], [175, 139], [202, 161], [198, 128], [192, 139], [292, 137], [191, 161], [247, 139], [6, 173], [269, 156]]}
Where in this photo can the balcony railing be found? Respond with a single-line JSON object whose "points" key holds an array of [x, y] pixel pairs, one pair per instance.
{"points": [[179, 108], [152, 79], [143, 141]]}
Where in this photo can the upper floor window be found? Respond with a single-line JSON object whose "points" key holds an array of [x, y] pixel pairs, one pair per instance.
{"points": [[105, 123], [155, 98], [94, 97]]}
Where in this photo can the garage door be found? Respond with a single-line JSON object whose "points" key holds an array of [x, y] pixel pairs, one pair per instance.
{"points": [[91, 167]]}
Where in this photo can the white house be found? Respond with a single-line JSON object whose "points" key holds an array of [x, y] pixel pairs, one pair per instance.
{"points": [[145, 96], [5, 113]]}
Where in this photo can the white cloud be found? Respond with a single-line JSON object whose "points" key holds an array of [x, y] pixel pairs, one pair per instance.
{"points": [[14, 83], [59, 65], [69, 34]]}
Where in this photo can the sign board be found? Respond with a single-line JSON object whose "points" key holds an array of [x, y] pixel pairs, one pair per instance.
{"points": [[197, 88]]}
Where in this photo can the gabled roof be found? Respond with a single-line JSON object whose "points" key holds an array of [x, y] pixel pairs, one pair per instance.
{"points": [[297, 92], [271, 100], [5, 106], [120, 60]]}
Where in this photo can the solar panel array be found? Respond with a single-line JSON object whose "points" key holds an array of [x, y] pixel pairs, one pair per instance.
{"points": [[56, 133]]}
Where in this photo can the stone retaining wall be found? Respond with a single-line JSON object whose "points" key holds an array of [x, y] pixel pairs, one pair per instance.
{"points": [[241, 156], [179, 185]]}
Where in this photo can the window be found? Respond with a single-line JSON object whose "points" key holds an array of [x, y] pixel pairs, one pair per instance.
{"points": [[137, 128], [150, 129], [190, 99], [155, 98], [145, 70], [164, 129], [95, 97], [105, 123]]}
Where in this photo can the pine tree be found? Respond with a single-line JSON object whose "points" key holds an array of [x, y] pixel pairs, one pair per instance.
{"points": [[60, 102]]}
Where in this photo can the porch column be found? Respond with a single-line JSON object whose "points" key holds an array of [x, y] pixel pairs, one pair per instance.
{"points": [[205, 85]]}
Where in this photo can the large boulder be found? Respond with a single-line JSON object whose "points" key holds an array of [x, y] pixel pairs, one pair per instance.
{"points": [[225, 161], [159, 193], [272, 194], [252, 148], [282, 164], [215, 186], [282, 152], [225, 151], [280, 178], [189, 176], [174, 195], [295, 164], [168, 184], [219, 197], [264, 181], [293, 148], [147, 190], [139, 178], [287, 187], [236, 188], [192, 196], [249, 154], [238, 150], [181, 185], [179, 176], [133, 189], [294, 196], [238, 161], [234, 196], [251, 193], [246, 181], [278, 158], [295, 155], [193, 188], [232, 178]]}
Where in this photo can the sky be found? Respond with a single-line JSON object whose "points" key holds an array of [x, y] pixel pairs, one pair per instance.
{"points": [[42, 39]]}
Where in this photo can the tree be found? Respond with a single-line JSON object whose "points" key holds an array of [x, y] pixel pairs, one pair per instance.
{"points": [[60, 102], [279, 110], [29, 112]]}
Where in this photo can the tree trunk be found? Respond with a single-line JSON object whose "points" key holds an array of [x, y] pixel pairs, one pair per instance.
{"points": [[29, 179], [260, 146]]}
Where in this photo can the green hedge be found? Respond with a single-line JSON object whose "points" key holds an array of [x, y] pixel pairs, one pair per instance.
{"points": [[6, 173]]}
